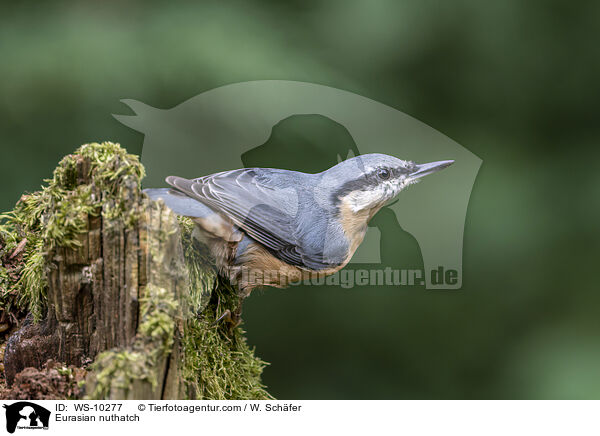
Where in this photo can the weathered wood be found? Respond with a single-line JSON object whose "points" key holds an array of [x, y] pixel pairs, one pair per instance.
{"points": [[125, 299], [94, 288]]}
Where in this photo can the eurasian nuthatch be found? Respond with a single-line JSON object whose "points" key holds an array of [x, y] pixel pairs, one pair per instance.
{"points": [[271, 227]]}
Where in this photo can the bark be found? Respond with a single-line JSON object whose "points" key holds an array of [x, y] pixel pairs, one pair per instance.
{"points": [[94, 292], [123, 302]]}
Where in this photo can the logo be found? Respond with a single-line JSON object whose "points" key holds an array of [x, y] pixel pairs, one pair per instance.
{"points": [[308, 128], [26, 415]]}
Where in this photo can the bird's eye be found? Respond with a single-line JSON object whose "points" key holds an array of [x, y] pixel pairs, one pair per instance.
{"points": [[383, 174]]}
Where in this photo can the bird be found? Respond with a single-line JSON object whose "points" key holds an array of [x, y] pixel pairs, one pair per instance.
{"points": [[272, 227]]}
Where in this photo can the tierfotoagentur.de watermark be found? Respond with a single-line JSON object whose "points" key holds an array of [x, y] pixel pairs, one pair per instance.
{"points": [[350, 278], [238, 126]]}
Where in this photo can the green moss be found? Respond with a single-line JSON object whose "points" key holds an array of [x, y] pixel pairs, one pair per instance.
{"points": [[102, 179], [22, 278], [117, 370], [202, 273], [219, 367], [91, 181], [218, 363], [159, 311], [32, 283]]}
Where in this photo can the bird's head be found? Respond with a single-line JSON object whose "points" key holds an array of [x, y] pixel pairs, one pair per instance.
{"points": [[366, 183]]}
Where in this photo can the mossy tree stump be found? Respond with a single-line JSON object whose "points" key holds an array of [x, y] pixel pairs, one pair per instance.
{"points": [[115, 283]]}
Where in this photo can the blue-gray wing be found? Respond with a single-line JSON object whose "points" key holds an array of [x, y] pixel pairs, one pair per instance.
{"points": [[264, 207]]}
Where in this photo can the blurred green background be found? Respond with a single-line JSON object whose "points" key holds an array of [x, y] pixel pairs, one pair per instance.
{"points": [[515, 82]]}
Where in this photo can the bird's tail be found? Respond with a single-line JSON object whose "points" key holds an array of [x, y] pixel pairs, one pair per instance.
{"points": [[180, 203]]}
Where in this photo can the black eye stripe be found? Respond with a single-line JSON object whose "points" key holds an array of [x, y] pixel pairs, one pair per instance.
{"points": [[400, 171], [366, 181]]}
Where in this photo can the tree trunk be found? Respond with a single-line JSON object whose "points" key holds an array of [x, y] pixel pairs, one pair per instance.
{"points": [[130, 296]]}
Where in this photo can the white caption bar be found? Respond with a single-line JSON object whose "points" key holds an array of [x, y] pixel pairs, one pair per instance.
{"points": [[297, 417]]}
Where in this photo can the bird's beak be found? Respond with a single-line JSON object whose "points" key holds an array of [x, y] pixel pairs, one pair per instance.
{"points": [[429, 168]]}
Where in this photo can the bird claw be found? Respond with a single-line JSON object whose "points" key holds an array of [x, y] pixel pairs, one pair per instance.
{"points": [[225, 316], [233, 320]]}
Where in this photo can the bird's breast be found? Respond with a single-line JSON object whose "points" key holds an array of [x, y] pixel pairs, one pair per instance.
{"points": [[354, 224]]}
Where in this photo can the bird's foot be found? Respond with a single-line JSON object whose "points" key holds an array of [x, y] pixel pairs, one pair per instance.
{"points": [[231, 319]]}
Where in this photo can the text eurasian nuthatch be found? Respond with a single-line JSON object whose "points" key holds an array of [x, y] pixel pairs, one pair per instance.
{"points": [[271, 227]]}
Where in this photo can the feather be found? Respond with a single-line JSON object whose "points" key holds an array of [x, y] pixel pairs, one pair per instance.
{"points": [[265, 205]]}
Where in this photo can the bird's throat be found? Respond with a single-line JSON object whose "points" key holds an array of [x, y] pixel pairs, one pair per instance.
{"points": [[354, 223]]}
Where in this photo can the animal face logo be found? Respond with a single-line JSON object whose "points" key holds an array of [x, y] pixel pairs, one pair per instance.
{"points": [[26, 415], [250, 124]]}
